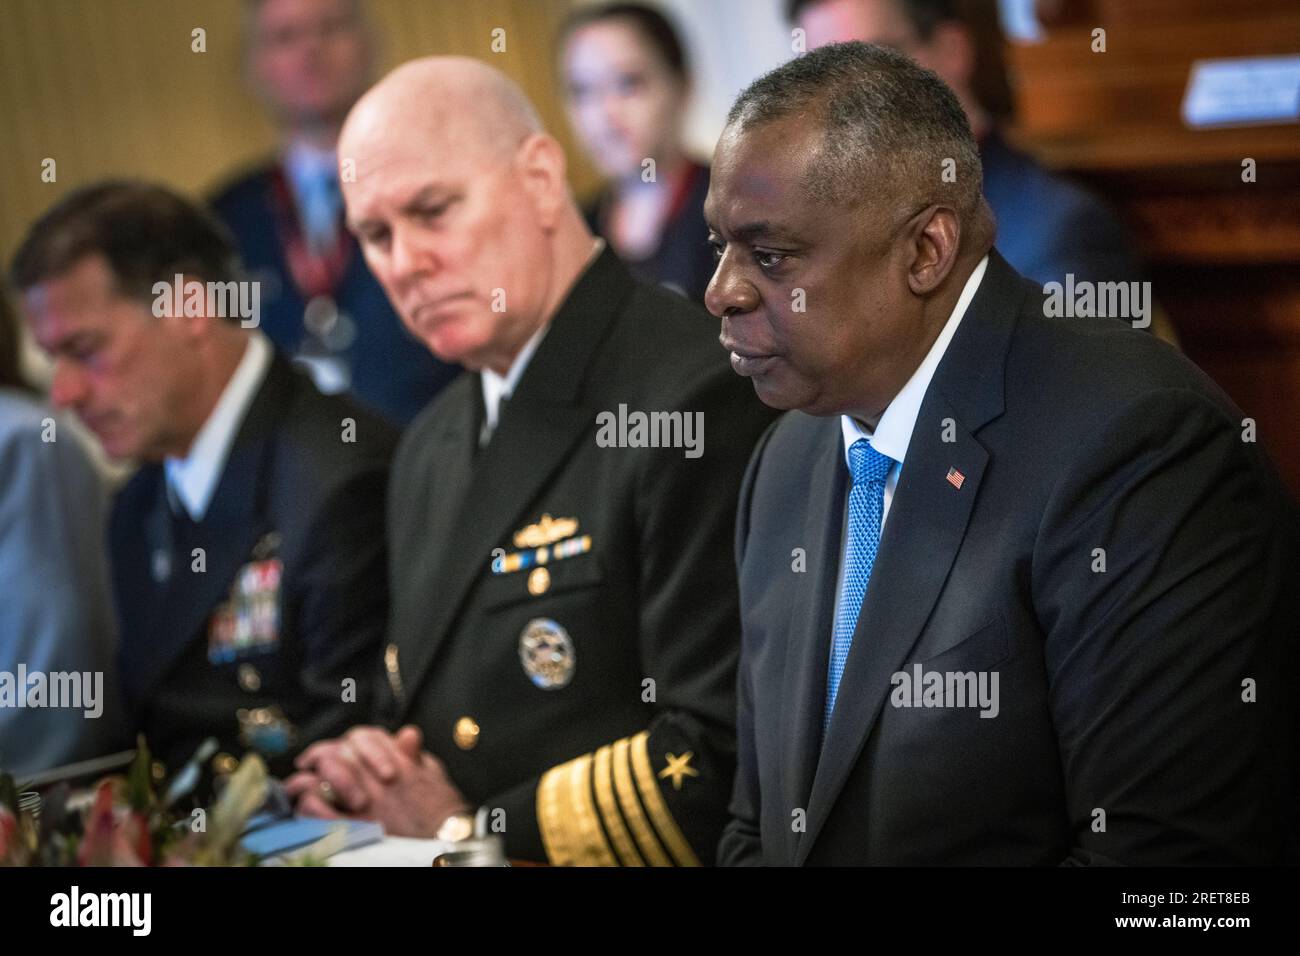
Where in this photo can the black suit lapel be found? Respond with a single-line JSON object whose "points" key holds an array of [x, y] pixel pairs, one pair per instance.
{"points": [[234, 522], [456, 451], [142, 566], [813, 616], [924, 530], [450, 452], [534, 438]]}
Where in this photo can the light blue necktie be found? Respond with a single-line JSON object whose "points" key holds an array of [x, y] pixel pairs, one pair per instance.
{"points": [[866, 510], [319, 204]]}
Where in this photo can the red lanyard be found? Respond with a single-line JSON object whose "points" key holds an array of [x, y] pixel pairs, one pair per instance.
{"points": [[685, 184], [681, 192], [313, 273]]}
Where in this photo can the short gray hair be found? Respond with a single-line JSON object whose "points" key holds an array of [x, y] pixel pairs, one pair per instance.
{"points": [[879, 112]]}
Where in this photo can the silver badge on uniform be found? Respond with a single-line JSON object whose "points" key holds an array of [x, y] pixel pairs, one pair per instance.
{"points": [[546, 651]]}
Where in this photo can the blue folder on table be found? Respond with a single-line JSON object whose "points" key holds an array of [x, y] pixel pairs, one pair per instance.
{"points": [[267, 836]]}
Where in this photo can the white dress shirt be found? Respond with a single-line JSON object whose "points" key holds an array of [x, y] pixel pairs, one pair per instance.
{"points": [[497, 387], [893, 432], [192, 480]]}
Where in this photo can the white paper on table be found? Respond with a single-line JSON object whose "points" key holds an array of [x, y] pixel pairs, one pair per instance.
{"points": [[393, 851]]}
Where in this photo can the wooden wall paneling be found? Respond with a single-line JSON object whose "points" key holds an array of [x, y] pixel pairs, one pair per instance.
{"points": [[112, 88]]}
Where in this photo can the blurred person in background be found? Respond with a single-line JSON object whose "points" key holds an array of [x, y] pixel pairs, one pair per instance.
{"points": [[57, 615], [248, 551], [1048, 226], [627, 86], [309, 60]]}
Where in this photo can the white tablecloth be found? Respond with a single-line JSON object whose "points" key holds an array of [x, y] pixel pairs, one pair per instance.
{"points": [[392, 851]]}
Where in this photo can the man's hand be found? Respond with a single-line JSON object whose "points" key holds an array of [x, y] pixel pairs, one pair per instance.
{"points": [[371, 774]]}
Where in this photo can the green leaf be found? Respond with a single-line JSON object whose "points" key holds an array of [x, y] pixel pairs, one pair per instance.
{"points": [[9, 793], [245, 791], [140, 778]]}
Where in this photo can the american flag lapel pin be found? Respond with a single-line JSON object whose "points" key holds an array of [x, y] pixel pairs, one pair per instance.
{"points": [[955, 477]]}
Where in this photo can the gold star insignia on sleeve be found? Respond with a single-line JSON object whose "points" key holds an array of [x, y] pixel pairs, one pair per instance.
{"points": [[678, 767]]}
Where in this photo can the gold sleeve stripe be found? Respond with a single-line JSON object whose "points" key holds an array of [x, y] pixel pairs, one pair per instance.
{"points": [[592, 847], [566, 817], [653, 798], [631, 806], [550, 820], [614, 826]]}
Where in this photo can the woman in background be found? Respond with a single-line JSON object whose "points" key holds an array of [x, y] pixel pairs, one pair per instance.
{"points": [[627, 87], [55, 613]]}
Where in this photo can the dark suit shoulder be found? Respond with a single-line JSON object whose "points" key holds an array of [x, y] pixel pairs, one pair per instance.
{"points": [[1048, 224], [451, 400], [1085, 370], [241, 188], [1038, 188], [133, 499], [790, 445], [460, 390], [323, 439], [1081, 392]]}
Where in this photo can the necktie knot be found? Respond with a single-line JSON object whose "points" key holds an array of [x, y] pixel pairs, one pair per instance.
{"points": [[866, 464], [322, 184], [320, 202]]}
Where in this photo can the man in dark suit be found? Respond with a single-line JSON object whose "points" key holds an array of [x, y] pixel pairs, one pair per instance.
{"points": [[248, 552], [309, 60], [1048, 226], [1014, 589], [564, 627]]}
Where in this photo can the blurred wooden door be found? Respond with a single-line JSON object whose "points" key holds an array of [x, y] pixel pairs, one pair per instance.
{"points": [[1224, 254]]}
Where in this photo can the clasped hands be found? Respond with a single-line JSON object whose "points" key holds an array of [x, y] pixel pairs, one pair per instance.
{"points": [[371, 774]]}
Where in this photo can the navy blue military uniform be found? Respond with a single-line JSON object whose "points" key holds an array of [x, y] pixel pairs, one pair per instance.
{"points": [[254, 643], [564, 620]]}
